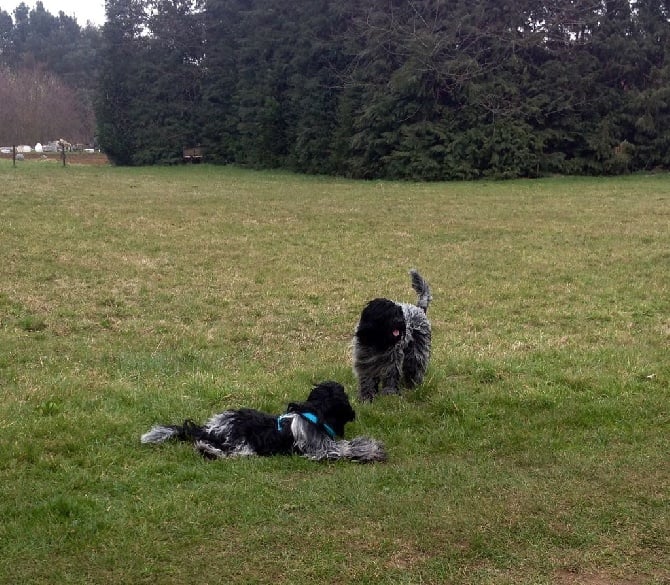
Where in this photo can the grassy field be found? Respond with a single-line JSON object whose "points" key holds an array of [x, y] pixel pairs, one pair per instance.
{"points": [[535, 452]]}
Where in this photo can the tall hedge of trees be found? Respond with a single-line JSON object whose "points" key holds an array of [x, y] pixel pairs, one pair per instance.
{"points": [[414, 89], [420, 89]]}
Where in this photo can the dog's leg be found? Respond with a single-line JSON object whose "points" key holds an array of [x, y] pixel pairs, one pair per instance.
{"points": [[416, 360], [315, 445], [360, 449], [365, 450], [209, 451], [391, 378], [218, 450], [367, 388], [391, 386], [414, 369]]}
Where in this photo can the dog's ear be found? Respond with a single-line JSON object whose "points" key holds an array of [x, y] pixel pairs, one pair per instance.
{"points": [[365, 333], [333, 404], [297, 407], [330, 404]]}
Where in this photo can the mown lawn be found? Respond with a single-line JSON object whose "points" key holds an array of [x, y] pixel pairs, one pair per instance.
{"points": [[536, 451]]}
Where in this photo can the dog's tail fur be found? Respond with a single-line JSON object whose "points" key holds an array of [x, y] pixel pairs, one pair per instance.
{"points": [[422, 289], [189, 431]]}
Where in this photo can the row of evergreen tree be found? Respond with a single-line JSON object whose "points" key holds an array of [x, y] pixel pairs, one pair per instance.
{"points": [[417, 89]]}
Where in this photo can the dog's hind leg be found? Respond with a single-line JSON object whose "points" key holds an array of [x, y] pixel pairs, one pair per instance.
{"points": [[417, 353], [218, 450], [414, 369], [209, 451]]}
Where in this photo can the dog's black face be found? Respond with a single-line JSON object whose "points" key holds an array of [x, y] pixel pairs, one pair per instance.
{"points": [[330, 403], [382, 324]]}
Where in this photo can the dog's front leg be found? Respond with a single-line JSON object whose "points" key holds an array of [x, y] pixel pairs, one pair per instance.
{"points": [[391, 378], [391, 386], [391, 373], [360, 449], [367, 388], [364, 450]]}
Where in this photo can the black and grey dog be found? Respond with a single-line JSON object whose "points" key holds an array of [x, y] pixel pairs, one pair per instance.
{"points": [[307, 428], [391, 345]]}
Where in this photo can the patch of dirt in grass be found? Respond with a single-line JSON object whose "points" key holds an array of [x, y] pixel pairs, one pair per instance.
{"points": [[405, 557]]}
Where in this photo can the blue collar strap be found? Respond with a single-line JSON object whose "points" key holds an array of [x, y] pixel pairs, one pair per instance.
{"points": [[311, 417]]}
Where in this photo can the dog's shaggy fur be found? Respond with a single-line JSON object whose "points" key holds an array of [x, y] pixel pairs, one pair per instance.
{"points": [[392, 343], [308, 428]]}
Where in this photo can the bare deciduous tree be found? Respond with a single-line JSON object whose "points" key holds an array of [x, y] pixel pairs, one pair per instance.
{"points": [[38, 107]]}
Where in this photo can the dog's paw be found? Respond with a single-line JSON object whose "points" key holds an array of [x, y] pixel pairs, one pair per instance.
{"points": [[366, 450]]}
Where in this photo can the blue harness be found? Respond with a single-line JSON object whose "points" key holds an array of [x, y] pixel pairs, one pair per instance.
{"points": [[311, 417]]}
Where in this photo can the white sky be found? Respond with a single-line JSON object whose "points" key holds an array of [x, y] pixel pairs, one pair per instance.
{"points": [[83, 10]]}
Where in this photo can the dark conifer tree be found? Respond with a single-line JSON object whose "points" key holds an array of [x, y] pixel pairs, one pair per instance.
{"points": [[218, 117], [120, 92], [170, 74], [648, 143], [6, 34]]}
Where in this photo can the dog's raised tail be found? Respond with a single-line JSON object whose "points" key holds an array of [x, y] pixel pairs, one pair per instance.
{"points": [[422, 289]]}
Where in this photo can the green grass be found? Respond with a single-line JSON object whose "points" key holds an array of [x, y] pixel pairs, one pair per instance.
{"points": [[535, 452]]}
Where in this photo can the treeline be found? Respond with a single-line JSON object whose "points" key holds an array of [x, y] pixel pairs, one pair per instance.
{"points": [[48, 77], [421, 89], [415, 89]]}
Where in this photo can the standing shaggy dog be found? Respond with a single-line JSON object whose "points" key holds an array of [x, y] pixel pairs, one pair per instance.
{"points": [[308, 428], [392, 343]]}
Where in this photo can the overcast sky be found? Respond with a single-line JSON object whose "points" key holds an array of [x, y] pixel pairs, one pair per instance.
{"points": [[83, 10]]}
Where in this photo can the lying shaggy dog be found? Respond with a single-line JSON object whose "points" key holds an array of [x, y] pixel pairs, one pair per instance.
{"points": [[392, 343], [308, 428]]}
